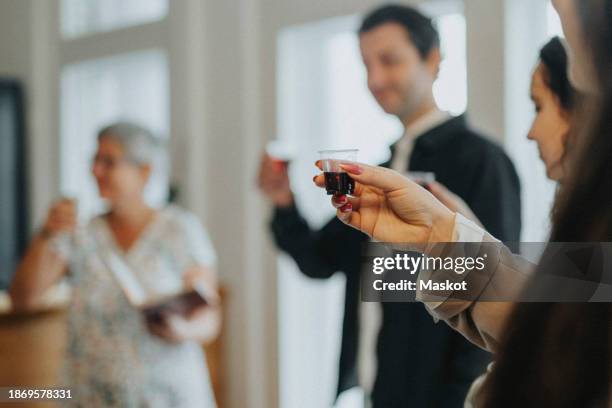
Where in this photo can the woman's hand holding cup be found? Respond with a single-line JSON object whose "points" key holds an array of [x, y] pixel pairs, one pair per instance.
{"points": [[62, 218], [390, 208]]}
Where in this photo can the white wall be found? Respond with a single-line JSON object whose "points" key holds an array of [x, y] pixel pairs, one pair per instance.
{"points": [[15, 36], [235, 213], [25, 58]]}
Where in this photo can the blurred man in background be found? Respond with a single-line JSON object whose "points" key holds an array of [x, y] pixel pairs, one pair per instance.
{"points": [[414, 362]]}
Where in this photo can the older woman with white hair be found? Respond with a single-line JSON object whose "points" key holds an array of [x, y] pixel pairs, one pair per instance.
{"points": [[115, 356]]}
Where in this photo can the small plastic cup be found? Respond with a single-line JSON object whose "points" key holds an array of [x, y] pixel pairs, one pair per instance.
{"points": [[282, 153], [337, 181]]}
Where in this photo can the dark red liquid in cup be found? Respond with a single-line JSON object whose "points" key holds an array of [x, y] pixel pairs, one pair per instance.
{"points": [[339, 183]]}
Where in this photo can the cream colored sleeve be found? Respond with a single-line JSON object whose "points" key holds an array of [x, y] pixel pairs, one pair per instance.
{"points": [[503, 277]]}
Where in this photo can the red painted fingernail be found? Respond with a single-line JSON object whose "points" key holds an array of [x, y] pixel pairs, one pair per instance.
{"points": [[352, 168], [341, 199], [347, 208]]}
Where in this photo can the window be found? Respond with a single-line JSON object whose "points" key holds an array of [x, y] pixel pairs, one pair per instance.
{"points": [[95, 93], [117, 83], [450, 90], [82, 17]]}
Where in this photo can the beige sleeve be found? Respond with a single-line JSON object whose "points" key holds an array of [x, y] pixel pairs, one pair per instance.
{"points": [[503, 277]]}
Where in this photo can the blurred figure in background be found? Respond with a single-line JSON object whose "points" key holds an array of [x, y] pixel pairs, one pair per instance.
{"points": [[397, 354], [554, 100], [116, 358]]}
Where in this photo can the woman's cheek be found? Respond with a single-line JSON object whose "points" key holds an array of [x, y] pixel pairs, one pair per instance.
{"points": [[115, 182]]}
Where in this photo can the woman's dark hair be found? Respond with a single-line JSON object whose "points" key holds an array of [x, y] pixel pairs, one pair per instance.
{"points": [[420, 28], [559, 354], [555, 72], [554, 59]]}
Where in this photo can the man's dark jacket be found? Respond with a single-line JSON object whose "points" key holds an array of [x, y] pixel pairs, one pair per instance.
{"points": [[420, 363]]}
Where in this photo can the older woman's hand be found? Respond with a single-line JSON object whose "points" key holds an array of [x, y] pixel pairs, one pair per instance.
{"points": [[390, 208], [61, 218]]}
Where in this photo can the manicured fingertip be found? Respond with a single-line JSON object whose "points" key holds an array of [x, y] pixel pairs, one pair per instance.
{"points": [[347, 208], [341, 199], [352, 168], [319, 180]]}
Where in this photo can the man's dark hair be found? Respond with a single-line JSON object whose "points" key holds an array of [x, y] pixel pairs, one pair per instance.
{"points": [[420, 28]]}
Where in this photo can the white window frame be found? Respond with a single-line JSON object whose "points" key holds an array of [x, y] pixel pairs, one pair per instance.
{"points": [[52, 52]]}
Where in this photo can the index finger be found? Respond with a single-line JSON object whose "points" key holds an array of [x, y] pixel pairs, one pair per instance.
{"points": [[381, 178]]}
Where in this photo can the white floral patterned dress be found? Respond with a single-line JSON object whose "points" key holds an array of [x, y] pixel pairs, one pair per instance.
{"points": [[112, 359]]}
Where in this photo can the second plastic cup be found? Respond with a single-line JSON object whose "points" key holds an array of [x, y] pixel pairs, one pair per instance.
{"points": [[282, 153], [337, 181]]}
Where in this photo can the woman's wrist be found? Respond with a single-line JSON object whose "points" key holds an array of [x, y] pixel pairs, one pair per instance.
{"points": [[443, 226]]}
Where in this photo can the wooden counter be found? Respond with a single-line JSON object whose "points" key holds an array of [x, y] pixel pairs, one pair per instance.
{"points": [[32, 349]]}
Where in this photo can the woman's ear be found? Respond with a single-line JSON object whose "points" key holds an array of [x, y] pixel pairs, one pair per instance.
{"points": [[434, 59], [565, 115]]}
